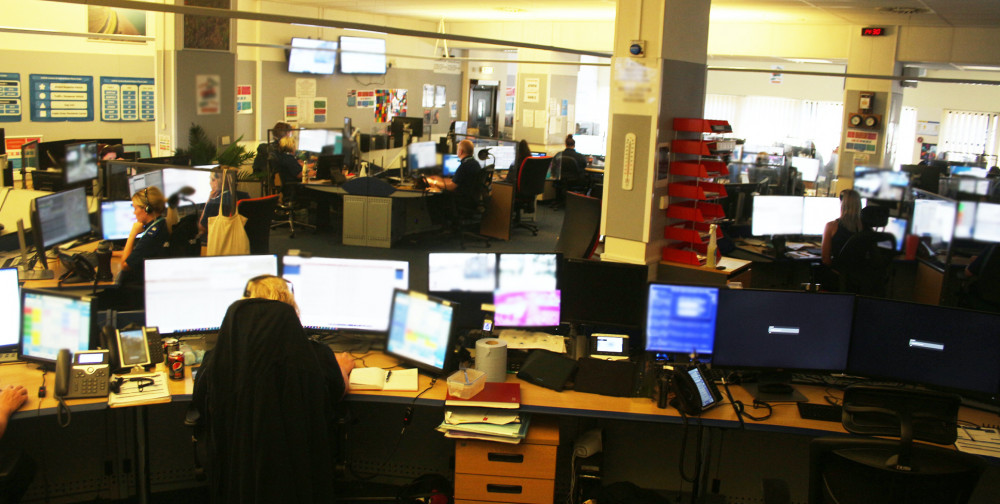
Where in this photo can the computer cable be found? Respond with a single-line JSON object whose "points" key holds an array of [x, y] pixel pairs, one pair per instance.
{"points": [[736, 409]]}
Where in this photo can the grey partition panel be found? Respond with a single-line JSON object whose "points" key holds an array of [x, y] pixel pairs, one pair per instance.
{"points": [[190, 64], [626, 208]]}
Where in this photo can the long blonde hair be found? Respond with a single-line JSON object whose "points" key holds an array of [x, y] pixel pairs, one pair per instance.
{"points": [[850, 210], [271, 287]]}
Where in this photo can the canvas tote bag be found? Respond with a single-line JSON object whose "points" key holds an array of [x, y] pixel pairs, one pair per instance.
{"points": [[226, 235]]}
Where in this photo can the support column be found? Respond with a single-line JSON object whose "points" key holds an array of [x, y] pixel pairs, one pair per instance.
{"points": [[862, 145], [648, 90]]}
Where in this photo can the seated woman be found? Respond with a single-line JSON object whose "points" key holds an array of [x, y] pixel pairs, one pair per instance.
{"points": [[288, 167], [837, 232], [266, 395], [147, 240], [228, 200], [523, 152]]}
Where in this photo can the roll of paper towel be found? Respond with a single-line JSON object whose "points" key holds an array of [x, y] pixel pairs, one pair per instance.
{"points": [[491, 358]]}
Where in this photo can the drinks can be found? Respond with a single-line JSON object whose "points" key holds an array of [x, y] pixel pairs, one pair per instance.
{"points": [[175, 365], [170, 345]]}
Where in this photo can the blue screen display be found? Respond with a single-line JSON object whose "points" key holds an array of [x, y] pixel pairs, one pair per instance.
{"points": [[681, 318], [451, 163]]}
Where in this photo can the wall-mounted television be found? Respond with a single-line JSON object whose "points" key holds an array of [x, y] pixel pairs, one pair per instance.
{"points": [[362, 55], [312, 56]]}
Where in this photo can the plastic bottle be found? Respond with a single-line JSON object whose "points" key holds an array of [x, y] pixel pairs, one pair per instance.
{"points": [[712, 246]]}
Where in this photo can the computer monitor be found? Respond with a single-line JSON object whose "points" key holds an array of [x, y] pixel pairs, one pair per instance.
{"points": [[817, 212], [10, 309], [141, 181], [590, 145], [117, 219], [807, 167], [539, 272], [81, 163], [526, 308], [421, 155], [420, 331], [681, 318], [321, 141], [115, 177], [176, 179], [142, 150], [897, 227], [965, 219], [969, 171], [133, 348], [415, 125], [987, 223], [933, 345], [461, 271], [362, 55], [934, 219], [192, 294], [504, 156], [348, 127], [60, 217], [312, 56], [876, 183], [603, 292], [29, 156], [792, 330], [461, 127], [450, 164], [776, 215], [345, 294], [51, 321]]}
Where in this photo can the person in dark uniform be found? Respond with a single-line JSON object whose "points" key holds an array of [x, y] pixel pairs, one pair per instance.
{"points": [[837, 232], [149, 206], [465, 183], [581, 163], [266, 151]]}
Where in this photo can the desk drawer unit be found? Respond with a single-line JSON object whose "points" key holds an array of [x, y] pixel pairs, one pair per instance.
{"points": [[488, 472]]}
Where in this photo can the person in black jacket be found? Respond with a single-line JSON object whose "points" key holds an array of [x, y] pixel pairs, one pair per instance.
{"points": [[266, 395]]}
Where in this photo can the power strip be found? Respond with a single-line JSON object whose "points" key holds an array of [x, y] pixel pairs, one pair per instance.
{"points": [[8, 357]]}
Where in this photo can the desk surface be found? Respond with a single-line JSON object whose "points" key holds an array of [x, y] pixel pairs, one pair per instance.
{"points": [[401, 191], [57, 268]]}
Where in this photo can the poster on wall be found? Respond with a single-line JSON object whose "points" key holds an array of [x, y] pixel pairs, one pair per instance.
{"points": [[928, 151], [453, 109], [208, 94], [352, 97], [397, 102], [863, 142], [366, 98], [427, 100], [381, 105], [128, 99], [10, 97], [318, 109], [291, 109], [244, 99], [61, 97], [532, 88], [207, 32], [116, 21], [13, 145], [440, 96], [389, 103]]}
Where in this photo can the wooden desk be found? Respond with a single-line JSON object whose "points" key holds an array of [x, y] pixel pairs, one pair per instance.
{"points": [[58, 269], [733, 270], [379, 221]]}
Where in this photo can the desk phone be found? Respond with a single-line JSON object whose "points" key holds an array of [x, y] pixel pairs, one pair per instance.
{"points": [[85, 374]]}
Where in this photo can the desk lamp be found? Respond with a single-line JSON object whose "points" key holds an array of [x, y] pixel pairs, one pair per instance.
{"points": [[484, 154]]}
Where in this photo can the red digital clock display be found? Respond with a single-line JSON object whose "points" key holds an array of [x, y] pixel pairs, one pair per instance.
{"points": [[873, 32]]}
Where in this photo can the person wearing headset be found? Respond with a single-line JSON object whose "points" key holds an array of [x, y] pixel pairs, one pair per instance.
{"points": [[149, 207], [266, 397]]}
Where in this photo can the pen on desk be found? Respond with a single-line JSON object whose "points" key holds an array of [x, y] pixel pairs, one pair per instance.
{"points": [[466, 371], [388, 375]]}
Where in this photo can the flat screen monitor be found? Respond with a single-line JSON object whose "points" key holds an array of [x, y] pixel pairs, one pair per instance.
{"points": [[117, 219], [133, 348], [51, 321], [322, 141], [807, 167], [787, 330], [603, 292], [897, 227], [449, 164], [969, 171], [141, 149], [421, 155], [29, 156], [61, 217], [681, 318], [539, 272], [526, 307], [420, 331], [115, 180], [934, 219], [965, 219], [504, 156], [816, 212], [141, 181], [362, 55], [987, 223], [351, 294], [176, 179], [399, 124], [461, 271], [192, 294], [776, 215], [348, 126], [590, 145], [933, 345], [312, 56], [461, 127], [10, 308], [775, 160], [81, 162], [881, 184]]}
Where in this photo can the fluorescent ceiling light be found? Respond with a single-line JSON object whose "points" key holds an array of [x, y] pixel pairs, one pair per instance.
{"points": [[808, 60]]}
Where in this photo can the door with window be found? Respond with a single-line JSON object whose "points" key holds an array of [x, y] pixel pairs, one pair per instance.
{"points": [[482, 108]]}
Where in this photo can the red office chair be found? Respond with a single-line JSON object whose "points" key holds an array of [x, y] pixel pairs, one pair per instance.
{"points": [[530, 183]]}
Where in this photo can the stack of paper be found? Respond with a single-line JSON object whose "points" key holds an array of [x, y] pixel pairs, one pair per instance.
{"points": [[978, 440], [485, 424], [136, 389], [373, 378]]}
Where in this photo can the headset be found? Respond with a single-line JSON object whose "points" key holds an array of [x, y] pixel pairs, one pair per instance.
{"points": [[246, 289], [117, 384], [145, 200]]}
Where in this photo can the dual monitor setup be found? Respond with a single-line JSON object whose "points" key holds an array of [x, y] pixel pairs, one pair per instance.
{"points": [[358, 55], [765, 330]]}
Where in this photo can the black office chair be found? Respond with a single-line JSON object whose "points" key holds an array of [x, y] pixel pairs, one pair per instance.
{"points": [[863, 263], [467, 213], [184, 237], [868, 470], [17, 470], [259, 212], [981, 292], [289, 203], [581, 226], [530, 183]]}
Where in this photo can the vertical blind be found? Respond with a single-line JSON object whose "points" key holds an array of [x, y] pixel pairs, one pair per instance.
{"points": [[765, 120]]}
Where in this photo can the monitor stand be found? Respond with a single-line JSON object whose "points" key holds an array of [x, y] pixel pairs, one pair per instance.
{"points": [[30, 274], [774, 387]]}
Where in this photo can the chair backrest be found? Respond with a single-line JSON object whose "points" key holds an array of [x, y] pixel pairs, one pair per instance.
{"points": [[184, 237], [259, 212], [863, 264], [984, 286], [581, 226], [874, 216], [531, 177]]}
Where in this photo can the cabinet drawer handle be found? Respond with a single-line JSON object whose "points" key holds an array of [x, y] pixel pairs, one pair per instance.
{"points": [[507, 489], [512, 458]]}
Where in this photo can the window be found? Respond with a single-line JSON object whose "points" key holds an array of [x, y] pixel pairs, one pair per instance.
{"points": [[965, 134]]}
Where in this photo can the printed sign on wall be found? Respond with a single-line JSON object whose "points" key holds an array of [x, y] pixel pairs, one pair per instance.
{"points": [[10, 97], [61, 97], [128, 99]]}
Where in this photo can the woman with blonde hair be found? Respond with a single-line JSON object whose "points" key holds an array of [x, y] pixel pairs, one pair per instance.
{"points": [[837, 232]]}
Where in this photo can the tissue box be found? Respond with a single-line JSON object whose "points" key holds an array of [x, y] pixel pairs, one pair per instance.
{"points": [[457, 387]]}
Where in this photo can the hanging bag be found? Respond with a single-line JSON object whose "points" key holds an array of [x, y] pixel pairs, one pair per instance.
{"points": [[226, 235]]}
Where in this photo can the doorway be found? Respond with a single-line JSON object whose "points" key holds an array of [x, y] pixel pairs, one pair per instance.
{"points": [[482, 108]]}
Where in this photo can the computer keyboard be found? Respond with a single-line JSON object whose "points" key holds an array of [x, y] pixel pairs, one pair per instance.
{"points": [[825, 412]]}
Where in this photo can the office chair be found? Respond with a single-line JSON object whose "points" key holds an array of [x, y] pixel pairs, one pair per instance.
{"points": [[289, 203], [530, 183], [467, 214], [981, 292], [581, 226], [863, 263], [258, 212], [867, 470], [184, 237], [17, 470]]}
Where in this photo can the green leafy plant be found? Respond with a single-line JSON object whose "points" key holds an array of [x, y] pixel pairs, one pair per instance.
{"points": [[235, 155], [201, 149]]}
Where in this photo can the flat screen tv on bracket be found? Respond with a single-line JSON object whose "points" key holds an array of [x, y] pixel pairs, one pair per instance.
{"points": [[312, 56], [362, 55]]}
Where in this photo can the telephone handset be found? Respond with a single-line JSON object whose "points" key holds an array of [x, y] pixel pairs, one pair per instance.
{"points": [[85, 374], [693, 391], [79, 267]]}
